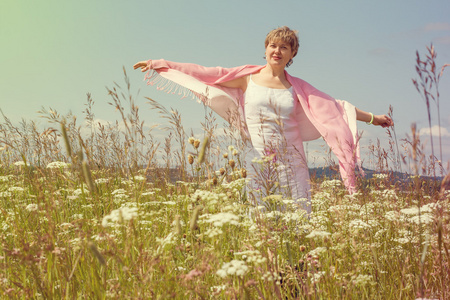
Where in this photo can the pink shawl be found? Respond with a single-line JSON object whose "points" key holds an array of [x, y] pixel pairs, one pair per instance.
{"points": [[334, 120]]}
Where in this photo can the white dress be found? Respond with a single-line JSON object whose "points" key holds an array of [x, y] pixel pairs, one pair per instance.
{"points": [[272, 120]]}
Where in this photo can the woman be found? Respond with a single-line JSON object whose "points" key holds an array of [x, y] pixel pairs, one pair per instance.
{"points": [[278, 112]]}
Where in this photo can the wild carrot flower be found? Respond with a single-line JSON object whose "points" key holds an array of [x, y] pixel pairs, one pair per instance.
{"points": [[234, 267], [317, 234], [331, 184], [119, 216], [271, 276], [32, 207], [251, 256], [139, 178], [359, 224], [4, 178], [20, 163], [221, 219], [57, 165], [213, 232], [101, 180], [362, 280], [317, 251], [380, 176]]}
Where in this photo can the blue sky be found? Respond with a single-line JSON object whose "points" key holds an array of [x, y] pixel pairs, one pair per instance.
{"points": [[54, 52]]}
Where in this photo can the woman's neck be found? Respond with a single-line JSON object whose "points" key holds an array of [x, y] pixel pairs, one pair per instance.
{"points": [[274, 72]]}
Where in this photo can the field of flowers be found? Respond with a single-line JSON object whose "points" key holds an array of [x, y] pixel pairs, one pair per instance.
{"points": [[95, 212], [107, 235]]}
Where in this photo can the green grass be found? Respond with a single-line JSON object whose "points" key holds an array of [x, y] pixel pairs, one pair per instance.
{"points": [[131, 238]]}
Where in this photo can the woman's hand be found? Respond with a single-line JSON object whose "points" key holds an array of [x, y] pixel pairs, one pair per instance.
{"points": [[383, 121], [378, 120], [144, 65]]}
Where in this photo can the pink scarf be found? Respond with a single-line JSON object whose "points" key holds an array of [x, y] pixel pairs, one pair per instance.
{"points": [[334, 120]]}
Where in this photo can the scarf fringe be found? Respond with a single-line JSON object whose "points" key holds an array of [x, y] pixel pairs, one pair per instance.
{"points": [[163, 84]]}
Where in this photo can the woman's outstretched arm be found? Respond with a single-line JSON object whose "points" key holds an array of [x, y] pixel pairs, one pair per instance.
{"points": [[379, 120]]}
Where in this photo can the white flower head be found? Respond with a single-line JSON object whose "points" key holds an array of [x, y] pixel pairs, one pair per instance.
{"points": [[120, 215], [234, 267], [57, 165], [380, 176], [32, 207], [139, 178], [318, 234], [220, 219]]}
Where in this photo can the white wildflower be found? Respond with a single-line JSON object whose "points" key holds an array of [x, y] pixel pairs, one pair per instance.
{"points": [[32, 207], [20, 163], [221, 219], [251, 256], [402, 240], [236, 185], [274, 214], [271, 276], [410, 210], [4, 178], [5, 194], [58, 165], [210, 197], [234, 267], [101, 180], [139, 178], [218, 288], [359, 224], [213, 232], [119, 216], [295, 216], [362, 280], [380, 176], [16, 189], [316, 276], [392, 215], [169, 202], [318, 234], [288, 201], [331, 184], [77, 192], [423, 219], [317, 251], [147, 193], [77, 216], [118, 191]]}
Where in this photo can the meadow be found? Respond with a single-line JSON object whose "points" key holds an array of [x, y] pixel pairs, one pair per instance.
{"points": [[107, 212]]}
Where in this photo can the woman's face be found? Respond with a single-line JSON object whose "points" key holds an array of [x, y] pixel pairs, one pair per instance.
{"points": [[278, 53]]}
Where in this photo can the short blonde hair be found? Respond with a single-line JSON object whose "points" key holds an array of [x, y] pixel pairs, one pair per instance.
{"points": [[286, 35]]}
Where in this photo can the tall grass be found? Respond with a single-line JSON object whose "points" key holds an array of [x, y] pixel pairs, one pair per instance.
{"points": [[104, 211]]}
